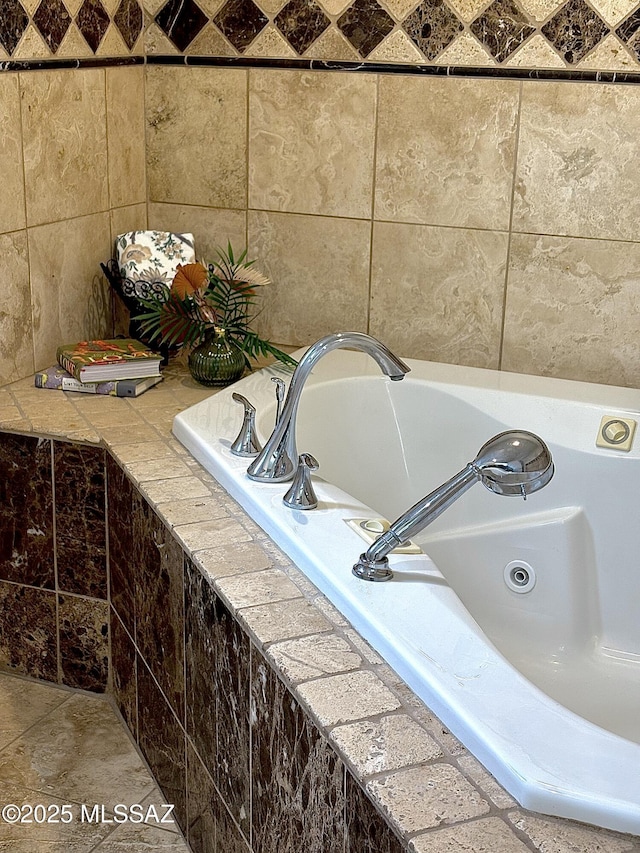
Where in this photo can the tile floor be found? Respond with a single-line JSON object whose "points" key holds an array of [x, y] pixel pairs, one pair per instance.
{"points": [[62, 748]]}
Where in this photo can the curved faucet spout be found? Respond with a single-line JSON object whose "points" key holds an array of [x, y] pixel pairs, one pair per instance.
{"points": [[279, 458], [515, 463]]}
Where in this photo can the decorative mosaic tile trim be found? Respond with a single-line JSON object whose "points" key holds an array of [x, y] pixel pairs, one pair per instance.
{"points": [[524, 35], [569, 32], [52, 30]]}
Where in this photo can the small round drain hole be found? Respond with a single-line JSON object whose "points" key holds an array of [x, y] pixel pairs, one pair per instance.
{"points": [[519, 576]]}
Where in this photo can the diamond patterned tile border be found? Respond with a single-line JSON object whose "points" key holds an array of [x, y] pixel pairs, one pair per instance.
{"points": [[181, 21], [240, 21], [551, 38], [301, 22], [502, 28], [93, 22], [365, 23], [575, 30], [432, 27], [13, 22], [52, 20]]}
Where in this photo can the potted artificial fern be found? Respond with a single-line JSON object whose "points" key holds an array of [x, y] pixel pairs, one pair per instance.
{"points": [[209, 309]]}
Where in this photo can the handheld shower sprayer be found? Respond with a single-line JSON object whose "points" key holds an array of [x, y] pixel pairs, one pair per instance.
{"points": [[513, 463]]}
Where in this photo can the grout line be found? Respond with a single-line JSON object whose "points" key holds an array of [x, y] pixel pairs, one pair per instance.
{"points": [[26, 219], [510, 231], [374, 178], [56, 585]]}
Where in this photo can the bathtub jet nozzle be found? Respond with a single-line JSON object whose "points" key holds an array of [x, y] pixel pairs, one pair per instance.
{"points": [[513, 463]]}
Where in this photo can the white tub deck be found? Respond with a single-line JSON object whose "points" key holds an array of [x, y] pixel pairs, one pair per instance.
{"points": [[465, 642]]}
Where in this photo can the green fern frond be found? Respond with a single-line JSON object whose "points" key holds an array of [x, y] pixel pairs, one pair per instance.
{"points": [[255, 346], [173, 321]]}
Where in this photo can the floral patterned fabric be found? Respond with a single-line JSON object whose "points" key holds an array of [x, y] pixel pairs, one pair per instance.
{"points": [[146, 257]]}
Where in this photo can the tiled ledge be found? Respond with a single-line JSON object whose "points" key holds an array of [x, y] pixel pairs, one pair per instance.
{"points": [[432, 792]]}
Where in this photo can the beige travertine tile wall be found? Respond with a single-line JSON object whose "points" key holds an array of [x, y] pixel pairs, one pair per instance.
{"points": [[73, 174], [483, 222]]}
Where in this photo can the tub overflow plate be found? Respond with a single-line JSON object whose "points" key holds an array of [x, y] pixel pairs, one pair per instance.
{"points": [[616, 433]]}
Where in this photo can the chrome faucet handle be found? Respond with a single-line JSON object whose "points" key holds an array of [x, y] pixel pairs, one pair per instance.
{"points": [[281, 390], [246, 442], [301, 494]]}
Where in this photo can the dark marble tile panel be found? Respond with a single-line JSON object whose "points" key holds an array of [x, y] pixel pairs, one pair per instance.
{"points": [[52, 20], [575, 30], [82, 568], [13, 22], [93, 22], [26, 511], [162, 742], [123, 674], [432, 26], [211, 827], [297, 779], [200, 663], [232, 681], [147, 583], [181, 20], [28, 631], [366, 830], [124, 506], [217, 693], [301, 22], [84, 642], [365, 23], [202, 805], [240, 21], [159, 604], [79, 477], [129, 20], [502, 28], [229, 838]]}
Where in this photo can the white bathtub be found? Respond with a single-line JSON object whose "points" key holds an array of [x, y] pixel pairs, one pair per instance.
{"points": [[542, 686]]}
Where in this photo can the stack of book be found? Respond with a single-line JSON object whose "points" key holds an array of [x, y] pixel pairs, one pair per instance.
{"points": [[122, 367]]}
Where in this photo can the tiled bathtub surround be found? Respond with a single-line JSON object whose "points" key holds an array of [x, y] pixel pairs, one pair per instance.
{"points": [[482, 222], [338, 163], [268, 722]]}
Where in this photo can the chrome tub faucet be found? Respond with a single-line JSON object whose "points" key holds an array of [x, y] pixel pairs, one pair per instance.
{"points": [[278, 460]]}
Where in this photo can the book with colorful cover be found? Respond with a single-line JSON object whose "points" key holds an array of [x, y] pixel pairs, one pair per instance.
{"points": [[104, 360], [58, 378]]}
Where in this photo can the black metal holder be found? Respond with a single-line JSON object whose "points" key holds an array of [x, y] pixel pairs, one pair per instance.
{"points": [[131, 292]]}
